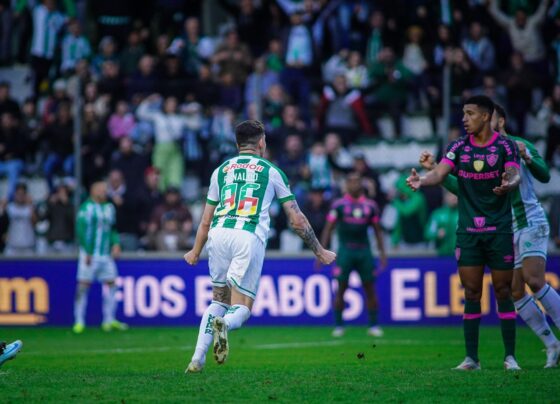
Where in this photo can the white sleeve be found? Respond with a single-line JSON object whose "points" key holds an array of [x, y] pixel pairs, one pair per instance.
{"points": [[281, 185], [213, 197]]}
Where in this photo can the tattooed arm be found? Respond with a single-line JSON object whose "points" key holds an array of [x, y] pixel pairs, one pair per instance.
{"points": [[510, 180], [303, 229]]}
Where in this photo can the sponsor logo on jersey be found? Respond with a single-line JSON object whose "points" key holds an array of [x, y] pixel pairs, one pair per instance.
{"points": [[467, 148], [245, 166], [492, 159], [478, 165], [492, 149], [465, 158], [479, 221], [357, 213], [450, 155]]}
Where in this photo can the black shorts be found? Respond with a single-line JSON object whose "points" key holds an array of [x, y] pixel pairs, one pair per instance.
{"points": [[492, 250]]}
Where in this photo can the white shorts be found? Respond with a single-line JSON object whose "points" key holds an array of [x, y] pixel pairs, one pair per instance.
{"points": [[531, 241], [235, 258], [102, 269]]}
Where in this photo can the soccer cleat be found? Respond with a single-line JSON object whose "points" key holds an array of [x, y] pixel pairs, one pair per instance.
{"points": [[375, 331], [468, 364], [195, 367], [510, 363], [114, 325], [552, 356], [9, 352], [221, 348], [338, 332], [78, 328]]}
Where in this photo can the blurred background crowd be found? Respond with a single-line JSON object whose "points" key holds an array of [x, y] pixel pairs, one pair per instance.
{"points": [[147, 93]]}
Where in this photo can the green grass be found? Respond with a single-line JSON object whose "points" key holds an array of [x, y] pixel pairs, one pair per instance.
{"points": [[271, 364]]}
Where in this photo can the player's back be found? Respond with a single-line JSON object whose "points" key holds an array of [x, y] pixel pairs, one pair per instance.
{"points": [[243, 188]]}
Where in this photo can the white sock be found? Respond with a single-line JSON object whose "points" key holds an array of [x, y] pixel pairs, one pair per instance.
{"points": [[551, 302], [236, 316], [80, 304], [205, 332], [535, 319], [109, 306]]}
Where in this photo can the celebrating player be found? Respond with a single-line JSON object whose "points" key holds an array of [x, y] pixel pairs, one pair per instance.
{"points": [[352, 215], [99, 244], [9, 352], [235, 222], [488, 171], [531, 231]]}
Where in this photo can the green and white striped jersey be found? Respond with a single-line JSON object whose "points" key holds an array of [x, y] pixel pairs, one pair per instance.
{"points": [[242, 188], [526, 208], [95, 226]]}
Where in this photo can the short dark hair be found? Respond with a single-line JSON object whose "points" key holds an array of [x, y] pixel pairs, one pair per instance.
{"points": [[248, 133], [500, 111], [483, 102], [21, 186]]}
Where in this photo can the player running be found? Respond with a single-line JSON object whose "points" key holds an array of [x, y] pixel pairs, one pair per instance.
{"points": [[235, 222], [353, 215], [9, 352], [487, 164], [531, 231], [99, 244]]}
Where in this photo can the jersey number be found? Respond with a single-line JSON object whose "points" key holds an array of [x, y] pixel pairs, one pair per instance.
{"points": [[243, 202]]}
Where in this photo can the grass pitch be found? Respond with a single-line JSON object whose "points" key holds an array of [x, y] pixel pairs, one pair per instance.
{"points": [[284, 364]]}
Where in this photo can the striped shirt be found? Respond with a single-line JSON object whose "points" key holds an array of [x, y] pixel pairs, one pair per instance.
{"points": [[46, 26], [242, 189], [95, 227], [74, 49]]}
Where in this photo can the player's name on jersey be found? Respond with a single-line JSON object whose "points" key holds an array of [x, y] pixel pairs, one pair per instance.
{"points": [[244, 176]]}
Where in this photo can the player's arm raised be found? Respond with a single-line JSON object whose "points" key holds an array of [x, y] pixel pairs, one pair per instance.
{"points": [[193, 255], [427, 161], [303, 229], [433, 177], [510, 180]]}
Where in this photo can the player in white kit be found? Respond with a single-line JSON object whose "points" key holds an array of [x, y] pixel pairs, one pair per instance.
{"points": [[235, 222]]}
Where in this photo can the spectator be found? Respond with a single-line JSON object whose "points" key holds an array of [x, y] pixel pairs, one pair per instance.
{"points": [[59, 137], [13, 144], [168, 128], [415, 60], [122, 122], [206, 90], [442, 226], [173, 207], [151, 197], [370, 179], [479, 49], [316, 208], [233, 56], [107, 52], [377, 40], [291, 124], [52, 103], [31, 127], [173, 80], [127, 206], [170, 237], [7, 103], [259, 82], [519, 81], [222, 135], [342, 110], [110, 82], [293, 162], [273, 105], [524, 33], [231, 95], [145, 80], [130, 163], [75, 47], [298, 59], [20, 239], [132, 53], [411, 211], [191, 47], [96, 146], [319, 168], [6, 16], [357, 75], [195, 139], [251, 23], [392, 80], [47, 23], [60, 216], [550, 113], [340, 158]]}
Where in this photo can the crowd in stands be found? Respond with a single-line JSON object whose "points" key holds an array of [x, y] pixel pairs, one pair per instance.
{"points": [[161, 97]]}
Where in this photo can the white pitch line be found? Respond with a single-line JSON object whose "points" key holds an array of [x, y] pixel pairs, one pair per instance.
{"points": [[299, 344]]}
